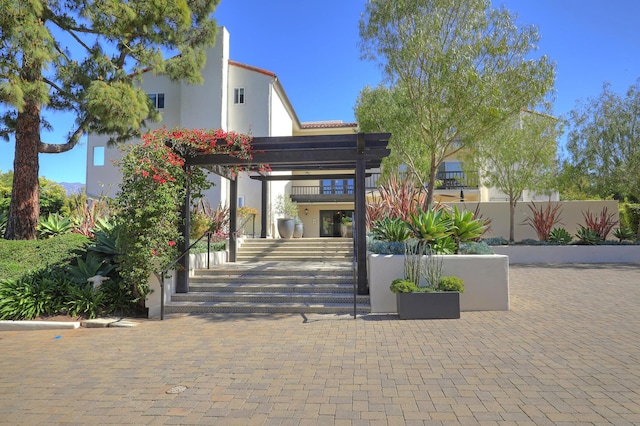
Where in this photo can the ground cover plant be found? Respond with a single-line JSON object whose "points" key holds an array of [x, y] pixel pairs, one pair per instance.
{"points": [[444, 231], [49, 277]]}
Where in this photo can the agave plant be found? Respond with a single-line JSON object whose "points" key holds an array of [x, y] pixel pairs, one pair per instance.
{"points": [[430, 226], [560, 236], [623, 234], [587, 236], [88, 268], [54, 225], [465, 227], [390, 229]]}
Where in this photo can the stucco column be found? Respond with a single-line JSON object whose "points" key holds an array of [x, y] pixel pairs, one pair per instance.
{"points": [[233, 222]]}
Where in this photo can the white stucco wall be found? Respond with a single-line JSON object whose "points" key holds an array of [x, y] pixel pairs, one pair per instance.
{"points": [[251, 117], [202, 105]]}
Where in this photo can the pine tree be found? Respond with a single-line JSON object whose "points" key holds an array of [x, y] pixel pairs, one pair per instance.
{"points": [[86, 57]]}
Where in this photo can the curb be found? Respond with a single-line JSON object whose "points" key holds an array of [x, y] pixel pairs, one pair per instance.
{"points": [[37, 325], [65, 325]]}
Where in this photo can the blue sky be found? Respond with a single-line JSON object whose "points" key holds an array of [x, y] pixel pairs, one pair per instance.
{"points": [[313, 49]]}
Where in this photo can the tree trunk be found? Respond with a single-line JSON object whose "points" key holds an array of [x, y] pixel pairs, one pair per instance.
{"points": [[512, 218], [24, 210], [432, 184]]}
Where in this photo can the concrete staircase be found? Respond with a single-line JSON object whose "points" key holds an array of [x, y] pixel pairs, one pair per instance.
{"points": [[305, 275]]}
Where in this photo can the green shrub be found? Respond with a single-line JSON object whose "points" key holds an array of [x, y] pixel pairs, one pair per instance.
{"points": [[17, 258], [118, 298], [475, 248], [496, 241], [630, 217], [40, 293], [83, 300], [200, 224], [451, 283], [560, 236], [401, 285], [3, 223], [384, 247], [201, 246]]}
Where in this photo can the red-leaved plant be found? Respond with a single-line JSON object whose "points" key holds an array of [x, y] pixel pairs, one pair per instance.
{"points": [[544, 219], [601, 224], [397, 198]]}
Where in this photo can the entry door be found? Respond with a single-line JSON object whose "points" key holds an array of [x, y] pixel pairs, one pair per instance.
{"points": [[330, 221]]}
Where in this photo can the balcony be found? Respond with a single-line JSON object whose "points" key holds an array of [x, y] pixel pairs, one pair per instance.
{"points": [[344, 192], [457, 180]]}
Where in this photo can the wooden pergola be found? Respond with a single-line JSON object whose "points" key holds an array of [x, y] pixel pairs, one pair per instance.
{"points": [[317, 155]]}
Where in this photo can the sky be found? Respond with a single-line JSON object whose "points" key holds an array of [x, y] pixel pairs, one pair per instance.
{"points": [[312, 47]]}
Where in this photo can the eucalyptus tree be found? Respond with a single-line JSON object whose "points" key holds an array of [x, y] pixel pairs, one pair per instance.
{"points": [[604, 144], [520, 154], [453, 71], [85, 57]]}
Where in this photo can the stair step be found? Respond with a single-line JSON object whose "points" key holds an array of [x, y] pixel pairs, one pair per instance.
{"points": [[281, 288], [263, 308], [271, 280], [268, 298]]}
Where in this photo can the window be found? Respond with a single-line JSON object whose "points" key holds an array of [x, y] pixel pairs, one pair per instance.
{"points": [[98, 155], [238, 95], [337, 186], [157, 99]]}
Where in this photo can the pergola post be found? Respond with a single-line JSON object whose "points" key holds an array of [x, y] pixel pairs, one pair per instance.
{"points": [[182, 282], [233, 222], [264, 214], [360, 219]]}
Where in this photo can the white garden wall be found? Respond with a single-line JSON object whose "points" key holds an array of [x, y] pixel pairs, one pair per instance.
{"points": [[486, 280]]}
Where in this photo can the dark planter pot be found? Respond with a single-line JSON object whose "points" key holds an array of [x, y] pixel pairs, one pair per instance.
{"points": [[436, 305], [286, 227], [298, 230]]}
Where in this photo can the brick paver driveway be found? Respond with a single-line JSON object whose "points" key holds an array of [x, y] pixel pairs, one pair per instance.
{"points": [[567, 352]]}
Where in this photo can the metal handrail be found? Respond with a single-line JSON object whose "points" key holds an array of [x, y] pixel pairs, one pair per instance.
{"points": [[355, 269], [172, 264]]}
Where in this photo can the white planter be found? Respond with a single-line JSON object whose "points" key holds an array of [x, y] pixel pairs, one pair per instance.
{"points": [[486, 280], [153, 302], [570, 254], [199, 261]]}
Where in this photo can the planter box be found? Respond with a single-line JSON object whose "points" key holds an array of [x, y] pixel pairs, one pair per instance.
{"points": [[486, 280], [436, 305], [522, 254]]}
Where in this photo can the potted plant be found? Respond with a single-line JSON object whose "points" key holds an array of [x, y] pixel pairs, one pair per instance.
{"points": [[298, 228], [438, 299], [346, 227], [288, 209]]}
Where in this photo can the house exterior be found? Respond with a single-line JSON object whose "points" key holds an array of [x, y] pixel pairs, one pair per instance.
{"points": [[234, 97], [250, 100]]}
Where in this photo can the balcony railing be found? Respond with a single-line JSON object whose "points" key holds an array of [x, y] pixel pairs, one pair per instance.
{"points": [[315, 193]]}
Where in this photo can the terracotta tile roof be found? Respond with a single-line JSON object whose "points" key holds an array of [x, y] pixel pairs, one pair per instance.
{"points": [[326, 124], [251, 68]]}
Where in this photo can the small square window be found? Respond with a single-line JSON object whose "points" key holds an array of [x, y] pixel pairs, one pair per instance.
{"points": [[238, 95], [157, 99], [98, 155]]}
